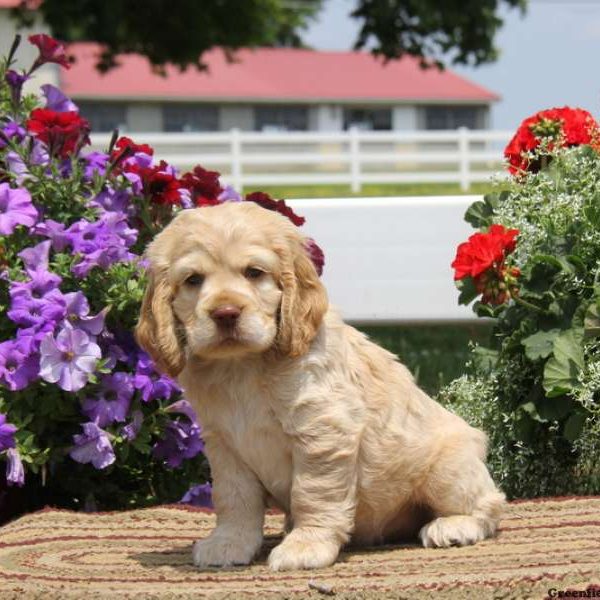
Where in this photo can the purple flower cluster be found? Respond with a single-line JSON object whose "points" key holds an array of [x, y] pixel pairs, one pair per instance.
{"points": [[181, 438]]}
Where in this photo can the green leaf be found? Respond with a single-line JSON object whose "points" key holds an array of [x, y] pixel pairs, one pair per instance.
{"points": [[480, 213], [574, 425], [555, 408], [540, 344], [484, 359], [562, 369], [467, 289]]}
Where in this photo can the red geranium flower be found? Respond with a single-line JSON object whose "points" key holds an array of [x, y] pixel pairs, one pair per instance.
{"points": [[263, 199], [483, 251], [51, 51], [567, 126], [204, 186], [158, 183], [63, 132]]}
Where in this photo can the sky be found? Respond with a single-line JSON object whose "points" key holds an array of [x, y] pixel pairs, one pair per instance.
{"points": [[548, 57]]}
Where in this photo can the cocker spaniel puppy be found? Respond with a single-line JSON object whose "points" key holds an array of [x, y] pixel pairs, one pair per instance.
{"points": [[298, 409]]}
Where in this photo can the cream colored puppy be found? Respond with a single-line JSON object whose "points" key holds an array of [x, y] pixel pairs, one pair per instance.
{"points": [[299, 410]]}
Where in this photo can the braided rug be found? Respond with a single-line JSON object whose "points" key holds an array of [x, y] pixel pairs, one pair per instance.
{"points": [[549, 544]]}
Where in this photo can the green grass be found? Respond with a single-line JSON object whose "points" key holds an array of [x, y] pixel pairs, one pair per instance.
{"points": [[343, 191], [435, 354]]}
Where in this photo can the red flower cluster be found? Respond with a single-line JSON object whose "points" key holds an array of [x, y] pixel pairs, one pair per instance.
{"points": [[482, 258], [158, 183], [62, 132], [203, 185], [51, 51], [264, 200], [567, 126], [124, 143]]}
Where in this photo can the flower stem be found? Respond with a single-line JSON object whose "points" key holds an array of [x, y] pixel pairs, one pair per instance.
{"points": [[529, 305]]}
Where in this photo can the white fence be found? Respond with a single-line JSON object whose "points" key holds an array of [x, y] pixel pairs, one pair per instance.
{"points": [[387, 260], [351, 157]]}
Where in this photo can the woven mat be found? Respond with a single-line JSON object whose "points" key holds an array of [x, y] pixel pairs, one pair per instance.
{"points": [[51, 554]]}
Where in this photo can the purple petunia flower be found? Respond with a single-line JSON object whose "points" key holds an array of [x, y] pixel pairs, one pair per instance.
{"points": [[152, 384], [93, 446], [7, 434], [55, 231], [16, 208], [27, 311], [15, 82], [36, 258], [30, 338], [18, 367], [181, 440], [229, 195], [41, 284], [77, 314], [95, 163], [15, 474], [199, 495], [131, 430], [109, 200], [69, 359], [56, 100], [185, 408], [12, 129], [111, 402], [102, 243]]}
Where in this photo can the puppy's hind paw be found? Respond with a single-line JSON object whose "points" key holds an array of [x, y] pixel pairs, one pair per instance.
{"points": [[457, 530]]}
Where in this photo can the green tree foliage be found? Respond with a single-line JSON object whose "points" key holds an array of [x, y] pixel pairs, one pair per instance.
{"points": [[453, 31]]}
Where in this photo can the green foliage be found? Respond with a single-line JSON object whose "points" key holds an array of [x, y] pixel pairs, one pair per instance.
{"points": [[173, 32], [538, 397], [459, 31]]}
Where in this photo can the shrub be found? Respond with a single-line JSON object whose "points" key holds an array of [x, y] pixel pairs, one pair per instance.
{"points": [[536, 265]]}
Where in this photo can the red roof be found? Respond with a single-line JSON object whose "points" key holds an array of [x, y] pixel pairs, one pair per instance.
{"points": [[268, 74]]}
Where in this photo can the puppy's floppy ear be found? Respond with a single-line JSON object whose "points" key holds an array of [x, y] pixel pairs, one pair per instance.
{"points": [[157, 331], [304, 302]]}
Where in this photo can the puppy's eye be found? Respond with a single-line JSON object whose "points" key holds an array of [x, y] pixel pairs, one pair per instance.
{"points": [[253, 273], [194, 280]]}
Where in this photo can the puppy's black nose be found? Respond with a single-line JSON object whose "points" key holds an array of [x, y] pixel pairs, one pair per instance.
{"points": [[226, 315]]}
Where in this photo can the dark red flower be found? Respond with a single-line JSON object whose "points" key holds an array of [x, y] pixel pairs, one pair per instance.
{"points": [[566, 126], [483, 251], [62, 132], [203, 185], [161, 186], [263, 199], [125, 142], [51, 51], [316, 255]]}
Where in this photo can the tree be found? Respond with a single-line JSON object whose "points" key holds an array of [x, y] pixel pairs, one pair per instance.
{"points": [[181, 31]]}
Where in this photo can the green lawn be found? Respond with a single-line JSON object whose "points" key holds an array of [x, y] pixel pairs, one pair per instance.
{"points": [[436, 354], [343, 191]]}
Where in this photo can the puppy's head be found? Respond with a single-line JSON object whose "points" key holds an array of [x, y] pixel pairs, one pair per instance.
{"points": [[228, 281]]}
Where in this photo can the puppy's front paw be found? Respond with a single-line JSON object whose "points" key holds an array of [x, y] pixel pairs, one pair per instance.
{"points": [[225, 550], [304, 548]]}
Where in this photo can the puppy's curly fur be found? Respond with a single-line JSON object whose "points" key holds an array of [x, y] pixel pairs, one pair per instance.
{"points": [[298, 409]]}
